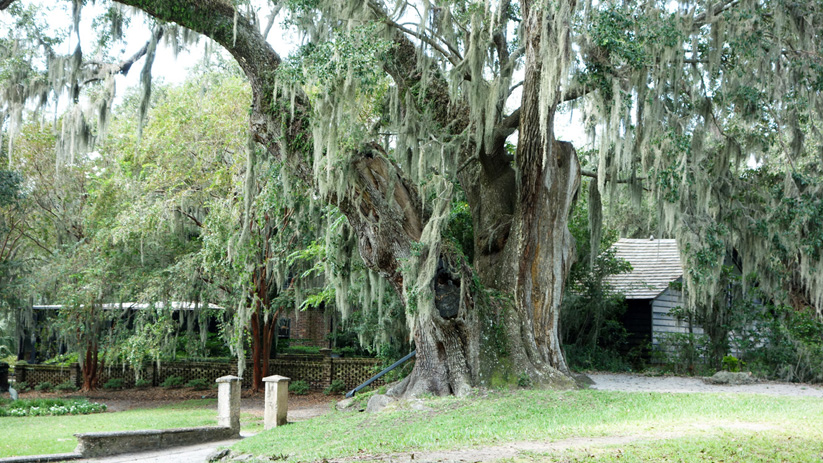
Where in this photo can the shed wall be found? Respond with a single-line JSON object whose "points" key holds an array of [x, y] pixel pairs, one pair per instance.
{"points": [[662, 322]]}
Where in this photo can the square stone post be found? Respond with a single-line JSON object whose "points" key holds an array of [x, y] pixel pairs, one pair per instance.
{"points": [[277, 401], [228, 402]]}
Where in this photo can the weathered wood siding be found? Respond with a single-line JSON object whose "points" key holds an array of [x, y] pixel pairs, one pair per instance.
{"points": [[662, 322]]}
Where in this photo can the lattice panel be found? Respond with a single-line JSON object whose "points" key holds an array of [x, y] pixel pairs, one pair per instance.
{"points": [[354, 372], [319, 372], [193, 370], [118, 371], [36, 374], [314, 373]]}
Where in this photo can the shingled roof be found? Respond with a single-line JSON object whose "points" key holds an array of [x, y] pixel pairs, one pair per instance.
{"points": [[655, 264]]}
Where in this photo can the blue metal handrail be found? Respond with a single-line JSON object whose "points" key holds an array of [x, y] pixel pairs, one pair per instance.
{"points": [[377, 376]]}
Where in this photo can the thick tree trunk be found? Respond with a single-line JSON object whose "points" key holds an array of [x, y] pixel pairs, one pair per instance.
{"points": [[464, 337], [547, 184]]}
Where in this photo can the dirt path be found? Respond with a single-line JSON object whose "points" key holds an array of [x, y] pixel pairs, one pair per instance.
{"points": [[640, 383]]}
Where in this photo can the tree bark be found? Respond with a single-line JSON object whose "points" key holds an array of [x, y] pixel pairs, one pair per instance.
{"points": [[90, 367], [547, 184], [262, 335]]}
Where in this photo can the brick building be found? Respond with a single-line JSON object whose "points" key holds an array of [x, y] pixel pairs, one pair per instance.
{"points": [[309, 327]]}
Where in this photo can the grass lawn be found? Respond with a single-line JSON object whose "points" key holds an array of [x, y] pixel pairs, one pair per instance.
{"points": [[55, 434], [603, 426]]}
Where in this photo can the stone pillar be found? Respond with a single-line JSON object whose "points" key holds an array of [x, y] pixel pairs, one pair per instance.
{"points": [[19, 373], [277, 401], [228, 402], [75, 375], [4, 377]]}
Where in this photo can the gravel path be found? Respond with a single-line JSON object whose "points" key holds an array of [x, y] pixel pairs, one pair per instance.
{"points": [[640, 383]]}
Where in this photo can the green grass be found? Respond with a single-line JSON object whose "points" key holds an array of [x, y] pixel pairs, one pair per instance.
{"points": [[727, 446], [55, 434], [550, 416]]}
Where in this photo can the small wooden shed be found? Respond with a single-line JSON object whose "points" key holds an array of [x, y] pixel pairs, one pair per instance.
{"points": [[649, 296]]}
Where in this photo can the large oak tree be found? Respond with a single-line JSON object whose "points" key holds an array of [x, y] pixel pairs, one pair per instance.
{"points": [[393, 108]]}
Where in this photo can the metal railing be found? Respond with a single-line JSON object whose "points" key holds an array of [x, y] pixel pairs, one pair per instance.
{"points": [[379, 375]]}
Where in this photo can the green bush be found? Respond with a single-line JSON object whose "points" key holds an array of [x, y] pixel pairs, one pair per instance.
{"points": [[22, 386], [587, 358], [348, 352], [299, 387], [685, 353], [45, 386], [66, 386], [41, 407], [62, 360], [114, 383], [336, 387], [142, 383], [172, 382], [731, 363], [198, 384], [790, 348], [300, 350]]}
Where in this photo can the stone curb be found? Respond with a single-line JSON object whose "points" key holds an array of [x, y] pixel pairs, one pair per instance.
{"points": [[42, 458], [102, 444]]}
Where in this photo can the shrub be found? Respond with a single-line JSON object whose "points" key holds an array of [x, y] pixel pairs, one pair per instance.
{"points": [[40, 407], [300, 350], [348, 352], [172, 382], [586, 358], [66, 386], [114, 383], [299, 387], [730, 363], [45, 386], [685, 353], [142, 383], [62, 360], [22, 386], [336, 387], [198, 384]]}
